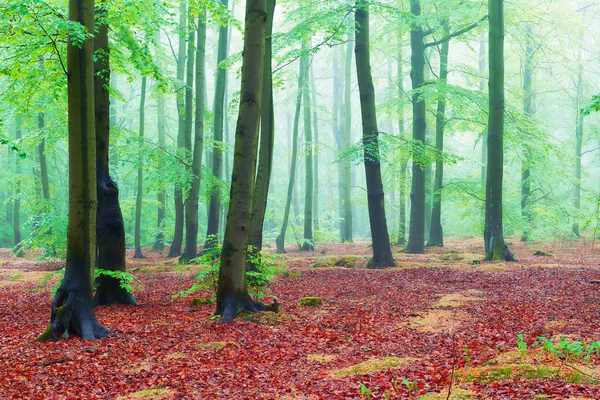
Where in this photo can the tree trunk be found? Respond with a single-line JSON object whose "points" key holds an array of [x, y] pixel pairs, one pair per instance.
{"points": [[308, 240], [315, 120], [159, 243], [72, 311], [348, 234], [382, 252], [42, 159], [214, 209], [267, 140], [529, 111], [232, 292], [110, 229], [578, 142], [495, 247], [482, 86], [404, 162], [280, 241], [175, 249], [191, 204], [436, 236], [16, 212], [416, 238], [140, 176]]}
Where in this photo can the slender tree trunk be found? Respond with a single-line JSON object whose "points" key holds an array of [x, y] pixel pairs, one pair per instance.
{"points": [[436, 236], [267, 140], [402, 176], [16, 212], [315, 120], [495, 247], [280, 241], [578, 142], [382, 252], [110, 229], [348, 234], [175, 249], [416, 238], [72, 311], [529, 111], [159, 243], [42, 159], [191, 205], [482, 87], [337, 128], [140, 176], [308, 241], [214, 209], [232, 292]]}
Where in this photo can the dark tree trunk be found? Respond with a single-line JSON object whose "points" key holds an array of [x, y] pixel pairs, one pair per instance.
{"points": [[72, 311], [110, 229], [267, 140], [436, 236], [232, 292], [191, 206], [495, 247], [382, 252], [280, 241], [529, 111], [214, 209], [140, 176], [308, 240], [175, 249], [416, 238]]}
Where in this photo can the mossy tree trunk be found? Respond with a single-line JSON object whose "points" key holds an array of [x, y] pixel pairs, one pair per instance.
{"points": [[232, 292], [280, 241], [72, 311], [191, 205], [110, 229], [495, 247], [382, 252]]}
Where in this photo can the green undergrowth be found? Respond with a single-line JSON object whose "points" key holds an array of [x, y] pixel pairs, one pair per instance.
{"points": [[343, 261]]}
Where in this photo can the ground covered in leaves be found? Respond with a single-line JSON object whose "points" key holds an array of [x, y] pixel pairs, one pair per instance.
{"points": [[439, 326]]}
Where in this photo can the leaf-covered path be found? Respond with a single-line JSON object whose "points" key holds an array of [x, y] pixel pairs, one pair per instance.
{"points": [[400, 333]]}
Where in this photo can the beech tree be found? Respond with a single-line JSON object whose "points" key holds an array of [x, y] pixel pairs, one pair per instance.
{"points": [[72, 311], [232, 292]]}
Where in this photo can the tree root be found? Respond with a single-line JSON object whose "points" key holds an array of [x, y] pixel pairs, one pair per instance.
{"points": [[72, 314], [232, 307]]}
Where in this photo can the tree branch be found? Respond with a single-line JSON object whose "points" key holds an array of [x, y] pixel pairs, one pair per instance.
{"points": [[457, 33]]}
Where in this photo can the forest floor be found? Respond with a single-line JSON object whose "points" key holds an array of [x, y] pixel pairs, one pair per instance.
{"points": [[436, 323]]}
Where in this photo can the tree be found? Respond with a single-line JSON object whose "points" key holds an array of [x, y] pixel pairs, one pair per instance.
{"points": [[232, 292], [495, 247], [382, 252], [16, 211], [528, 110], [72, 311], [191, 207], [402, 178], [308, 240], [159, 243], [214, 208], [140, 175], [110, 229]]}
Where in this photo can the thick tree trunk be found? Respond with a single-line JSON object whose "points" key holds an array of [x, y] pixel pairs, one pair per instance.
{"points": [[308, 240], [436, 236], [175, 249], [191, 205], [159, 243], [140, 176], [280, 241], [529, 111], [72, 311], [382, 252], [110, 229], [416, 238], [232, 292], [495, 247], [267, 140], [214, 209]]}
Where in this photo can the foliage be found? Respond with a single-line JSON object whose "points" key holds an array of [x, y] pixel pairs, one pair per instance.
{"points": [[126, 279]]}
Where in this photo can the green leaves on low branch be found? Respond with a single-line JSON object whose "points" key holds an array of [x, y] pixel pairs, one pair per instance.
{"points": [[594, 106], [126, 280]]}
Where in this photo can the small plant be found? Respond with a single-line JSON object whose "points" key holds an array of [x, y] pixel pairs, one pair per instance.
{"points": [[365, 391], [521, 345], [569, 350], [411, 386], [466, 355]]}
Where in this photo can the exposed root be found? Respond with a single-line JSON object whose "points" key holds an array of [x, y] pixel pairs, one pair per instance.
{"points": [[232, 307]]}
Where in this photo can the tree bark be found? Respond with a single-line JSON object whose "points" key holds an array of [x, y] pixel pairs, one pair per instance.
{"points": [[436, 236], [161, 197], [348, 234], [110, 229], [232, 292], [308, 240], [482, 87], [191, 206], [140, 176], [495, 247], [578, 142], [214, 209], [175, 249], [402, 176], [529, 111], [72, 311], [280, 241], [416, 238], [315, 148], [382, 252], [267, 140]]}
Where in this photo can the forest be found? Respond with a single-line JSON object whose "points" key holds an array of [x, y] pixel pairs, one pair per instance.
{"points": [[299, 199]]}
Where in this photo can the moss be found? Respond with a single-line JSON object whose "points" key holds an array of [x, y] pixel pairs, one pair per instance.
{"points": [[321, 358], [201, 301], [265, 317], [310, 301], [374, 365], [456, 394], [542, 253], [212, 345], [155, 394], [450, 257], [343, 261], [47, 335]]}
